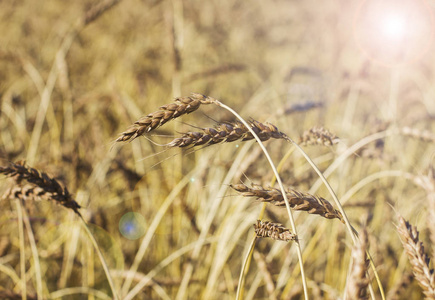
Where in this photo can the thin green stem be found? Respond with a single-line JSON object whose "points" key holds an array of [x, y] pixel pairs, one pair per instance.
{"points": [[245, 268], [35, 253]]}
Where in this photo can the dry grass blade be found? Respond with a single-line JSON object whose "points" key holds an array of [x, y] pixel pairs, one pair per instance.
{"points": [[318, 136], [358, 281], [226, 133], [274, 231], [298, 200], [45, 186], [166, 113], [418, 258]]}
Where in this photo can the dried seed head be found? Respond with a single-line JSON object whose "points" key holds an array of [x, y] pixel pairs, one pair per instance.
{"points": [[226, 133], [297, 200], [417, 256], [274, 231], [318, 136], [358, 281], [166, 113], [45, 187]]}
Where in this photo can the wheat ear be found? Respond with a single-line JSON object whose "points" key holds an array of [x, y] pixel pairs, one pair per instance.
{"points": [[297, 200], [318, 136], [358, 281], [166, 113], [274, 231], [44, 186], [226, 133], [419, 260]]}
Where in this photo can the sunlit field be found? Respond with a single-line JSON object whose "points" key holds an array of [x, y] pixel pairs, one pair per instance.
{"points": [[131, 164]]}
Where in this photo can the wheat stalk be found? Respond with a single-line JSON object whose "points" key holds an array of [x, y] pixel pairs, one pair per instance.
{"points": [[297, 200], [166, 113], [418, 258], [226, 133]]}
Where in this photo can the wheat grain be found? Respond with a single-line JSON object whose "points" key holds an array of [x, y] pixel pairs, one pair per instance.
{"points": [[298, 200]]}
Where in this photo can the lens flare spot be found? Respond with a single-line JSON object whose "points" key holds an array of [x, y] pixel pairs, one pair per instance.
{"points": [[394, 32], [192, 179], [394, 26], [132, 225]]}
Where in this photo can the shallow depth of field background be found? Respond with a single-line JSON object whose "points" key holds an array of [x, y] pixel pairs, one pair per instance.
{"points": [[269, 60]]}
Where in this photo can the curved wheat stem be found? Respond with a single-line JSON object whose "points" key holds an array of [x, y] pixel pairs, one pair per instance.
{"points": [[292, 222]]}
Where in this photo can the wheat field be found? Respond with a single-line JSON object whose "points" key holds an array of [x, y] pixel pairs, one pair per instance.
{"points": [[131, 164]]}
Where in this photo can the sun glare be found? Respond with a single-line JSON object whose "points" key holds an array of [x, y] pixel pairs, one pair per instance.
{"points": [[393, 26], [394, 32]]}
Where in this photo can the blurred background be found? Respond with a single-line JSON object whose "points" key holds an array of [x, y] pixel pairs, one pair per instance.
{"points": [[75, 74]]}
